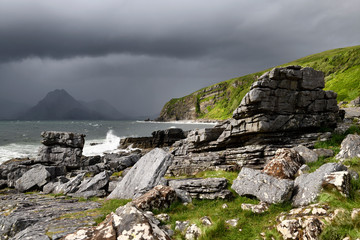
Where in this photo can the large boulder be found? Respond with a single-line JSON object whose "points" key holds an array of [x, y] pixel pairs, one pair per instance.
{"points": [[350, 147], [37, 177], [157, 198], [144, 175], [285, 164], [308, 186], [61, 148], [208, 188], [266, 188], [97, 182], [307, 154]]}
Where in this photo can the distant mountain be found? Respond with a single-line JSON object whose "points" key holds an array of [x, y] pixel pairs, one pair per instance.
{"points": [[60, 105], [105, 109], [10, 110]]}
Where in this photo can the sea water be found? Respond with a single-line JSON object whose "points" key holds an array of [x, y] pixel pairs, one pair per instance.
{"points": [[21, 139]]}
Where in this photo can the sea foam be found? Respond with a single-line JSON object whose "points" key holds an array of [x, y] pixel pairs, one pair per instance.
{"points": [[101, 146]]}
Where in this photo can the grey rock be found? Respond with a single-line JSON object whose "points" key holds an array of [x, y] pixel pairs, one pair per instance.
{"points": [[59, 155], [183, 195], [36, 177], [232, 222], [98, 182], [350, 147], [89, 194], [355, 102], [208, 188], [181, 225], [206, 221], [354, 175], [262, 186], [323, 152], [163, 217], [31, 233], [308, 186], [69, 187], [303, 169], [66, 139], [255, 208], [118, 163], [144, 175], [307, 154]]}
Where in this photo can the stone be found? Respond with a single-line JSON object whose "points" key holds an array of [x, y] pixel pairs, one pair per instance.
{"points": [[350, 147], [183, 196], [118, 163], [307, 154], [66, 139], [303, 170], [69, 187], [206, 221], [208, 188], [338, 180], [88, 194], [157, 198], [308, 186], [355, 102], [36, 177], [97, 182], [192, 232], [255, 208], [163, 217], [181, 225], [354, 175], [61, 148], [284, 165], [355, 213], [323, 152], [144, 175], [232, 222], [266, 188]]}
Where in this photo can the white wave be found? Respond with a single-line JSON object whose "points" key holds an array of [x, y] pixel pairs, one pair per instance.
{"points": [[15, 150], [181, 122], [101, 146]]}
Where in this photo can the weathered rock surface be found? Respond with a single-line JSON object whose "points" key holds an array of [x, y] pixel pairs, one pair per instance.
{"points": [[255, 208], [284, 108], [127, 222], [160, 138], [192, 232], [27, 216], [338, 180], [262, 186], [144, 175], [307, 154], [37, 177], [157, 198], [350, 147], [323, 152], [97, 182], [308, 186], [285, 164], [208, 188], [61, 148]]}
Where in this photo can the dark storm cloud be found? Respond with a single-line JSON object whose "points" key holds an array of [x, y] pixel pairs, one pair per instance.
{"points": [[138, 54]]}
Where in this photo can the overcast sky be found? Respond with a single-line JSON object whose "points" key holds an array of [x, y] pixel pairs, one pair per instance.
{"points": [[138, 54]]}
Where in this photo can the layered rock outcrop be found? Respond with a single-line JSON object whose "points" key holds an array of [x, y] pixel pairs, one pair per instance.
{"points": [[61, 148], [286, 107]]}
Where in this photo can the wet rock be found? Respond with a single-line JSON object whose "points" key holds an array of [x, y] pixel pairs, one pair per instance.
{"points": [[308, 186], [144, 175], [208, 188], [157, 198], [338, 180], [285, 164], [262, 186], [350, 147], [192, 232], [307, 154]]}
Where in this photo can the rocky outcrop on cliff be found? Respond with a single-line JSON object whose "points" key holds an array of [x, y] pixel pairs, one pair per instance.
{"points": [[286, 107]]}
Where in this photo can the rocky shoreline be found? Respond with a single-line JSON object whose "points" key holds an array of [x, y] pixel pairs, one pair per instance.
{"points": [[269, 142]]}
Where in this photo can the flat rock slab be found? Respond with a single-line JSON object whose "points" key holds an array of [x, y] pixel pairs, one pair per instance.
{"points": [[308, 186], [266, 188], [33, 216], [144, 175]]}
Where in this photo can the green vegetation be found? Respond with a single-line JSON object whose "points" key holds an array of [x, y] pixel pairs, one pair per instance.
{"points": [[342, 75]]}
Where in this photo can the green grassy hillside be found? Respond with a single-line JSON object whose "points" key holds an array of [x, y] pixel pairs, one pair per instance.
{"points": [[342, 75]]}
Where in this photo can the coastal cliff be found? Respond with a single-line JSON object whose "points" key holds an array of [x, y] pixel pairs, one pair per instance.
{"points": [[340, 66]]}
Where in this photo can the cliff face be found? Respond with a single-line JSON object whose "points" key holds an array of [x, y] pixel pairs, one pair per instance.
{"points": [[340, 66]]}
